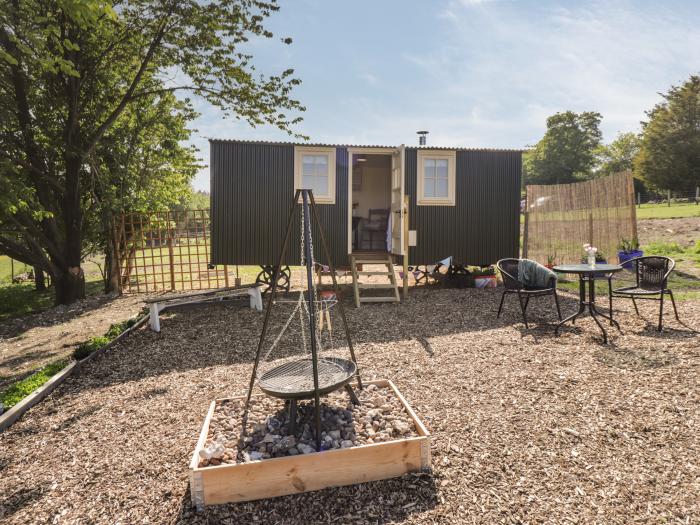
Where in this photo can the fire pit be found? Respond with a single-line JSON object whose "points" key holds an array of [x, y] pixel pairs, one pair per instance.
{"points": [[295, 380], [290, 464], [255, 454]]}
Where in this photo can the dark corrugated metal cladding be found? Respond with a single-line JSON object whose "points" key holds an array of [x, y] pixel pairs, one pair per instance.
{"points": [[252, 186], [483, 226]]}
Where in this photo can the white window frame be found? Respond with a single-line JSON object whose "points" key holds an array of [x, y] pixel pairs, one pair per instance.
{"points": [[299, 151], [451, 157]]}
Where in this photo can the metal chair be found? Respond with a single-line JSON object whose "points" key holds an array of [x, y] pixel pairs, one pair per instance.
{"points": [[512, 285], [651, 274], [377, 225]]}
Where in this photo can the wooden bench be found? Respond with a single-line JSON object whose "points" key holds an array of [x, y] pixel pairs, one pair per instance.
{"points": [[162, 302]]}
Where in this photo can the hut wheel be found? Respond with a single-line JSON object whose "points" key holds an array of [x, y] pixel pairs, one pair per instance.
{"points": [[267, 273]]}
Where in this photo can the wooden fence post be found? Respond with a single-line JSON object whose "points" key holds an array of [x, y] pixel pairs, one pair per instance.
{"points": [[172, 259], [590, 229], [633, 210], [525, 228], [117, 256]]}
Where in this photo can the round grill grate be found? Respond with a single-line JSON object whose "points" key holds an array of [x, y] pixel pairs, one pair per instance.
{"points": [[296, 379]]}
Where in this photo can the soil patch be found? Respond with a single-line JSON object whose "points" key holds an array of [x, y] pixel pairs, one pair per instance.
{"points": [[32, 341], [684, 231]]}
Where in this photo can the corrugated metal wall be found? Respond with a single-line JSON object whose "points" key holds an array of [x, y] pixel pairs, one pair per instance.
{"points": [[252, 186], [484, 225]]}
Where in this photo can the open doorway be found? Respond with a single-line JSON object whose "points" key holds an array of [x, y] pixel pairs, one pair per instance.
{"points": [[370, 201]]}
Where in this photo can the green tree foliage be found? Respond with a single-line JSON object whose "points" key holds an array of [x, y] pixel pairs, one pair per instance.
{"points": [[669, 156], [567, 152], [140, 165], [77, 77], [198, 200], [619, 155]]}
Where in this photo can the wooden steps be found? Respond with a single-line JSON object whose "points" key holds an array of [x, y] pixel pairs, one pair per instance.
{"points": [[391, 285]]}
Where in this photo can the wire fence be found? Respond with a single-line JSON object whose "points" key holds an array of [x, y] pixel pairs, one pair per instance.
{"points": [[669, 198], [166, 251], [560, 218]]}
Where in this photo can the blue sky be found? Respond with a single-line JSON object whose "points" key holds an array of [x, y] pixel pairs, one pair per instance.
{"points": [[475, 73]]}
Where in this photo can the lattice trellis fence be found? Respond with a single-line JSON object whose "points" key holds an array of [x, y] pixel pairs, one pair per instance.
{"points": [[166, 251], [560, 218]]}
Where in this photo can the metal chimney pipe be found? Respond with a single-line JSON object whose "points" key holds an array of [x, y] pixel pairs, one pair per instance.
{"points": [[422, 137]]}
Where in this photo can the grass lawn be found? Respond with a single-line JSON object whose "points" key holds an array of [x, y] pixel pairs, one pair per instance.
{"points": [[664, 211], [6, 268], [684, 285], [645, 211], [22, 299]]}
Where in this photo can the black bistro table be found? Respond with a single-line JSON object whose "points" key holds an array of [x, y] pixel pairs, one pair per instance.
{"points": [[587, 274]]}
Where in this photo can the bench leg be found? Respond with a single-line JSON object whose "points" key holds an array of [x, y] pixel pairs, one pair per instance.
{"points": [[154, 318], [255, 298]]}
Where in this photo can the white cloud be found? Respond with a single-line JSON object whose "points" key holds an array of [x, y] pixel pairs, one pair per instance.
{"points": [[612, 57], [369, 78], [488, 73]]}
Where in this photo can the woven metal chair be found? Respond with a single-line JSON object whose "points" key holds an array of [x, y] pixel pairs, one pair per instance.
{"points": [[376, 226], [512, 285], [651, 275]]}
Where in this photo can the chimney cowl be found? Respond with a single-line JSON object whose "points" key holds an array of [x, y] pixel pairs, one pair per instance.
{"points": [[422, 137]]}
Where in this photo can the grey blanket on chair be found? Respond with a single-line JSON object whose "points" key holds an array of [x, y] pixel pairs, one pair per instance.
{"points": [[532, 273]]}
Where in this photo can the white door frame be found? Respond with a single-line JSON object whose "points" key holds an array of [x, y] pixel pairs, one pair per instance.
{"points": [[398, 185], [359, 151]]}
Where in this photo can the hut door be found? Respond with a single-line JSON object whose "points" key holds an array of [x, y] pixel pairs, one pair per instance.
{"points": [[397, 206]]}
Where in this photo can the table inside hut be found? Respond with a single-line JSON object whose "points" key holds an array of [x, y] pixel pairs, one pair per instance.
{"points": [[588, 274]]}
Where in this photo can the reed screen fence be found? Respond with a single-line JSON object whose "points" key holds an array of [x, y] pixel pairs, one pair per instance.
{"points": [[560, 218]]}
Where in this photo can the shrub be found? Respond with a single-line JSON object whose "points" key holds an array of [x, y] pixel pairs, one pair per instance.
{"points": [[116, 330], [21, 389], [481, 272], [664, 248], [85, 349]]}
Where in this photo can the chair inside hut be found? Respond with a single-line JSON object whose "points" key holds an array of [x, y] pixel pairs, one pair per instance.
{"points": [[371, 203]]}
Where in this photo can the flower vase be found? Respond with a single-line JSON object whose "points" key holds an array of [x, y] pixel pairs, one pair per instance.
{"points": [[591, 260]]}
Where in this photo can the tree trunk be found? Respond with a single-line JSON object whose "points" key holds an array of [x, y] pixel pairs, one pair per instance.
{"points": [[39, 281], [111, 270], [70, 279], [70, 285]]}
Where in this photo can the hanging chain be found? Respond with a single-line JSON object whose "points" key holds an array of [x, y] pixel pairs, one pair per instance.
{"points": [[301, 236], [279, 336], [301, 305]]}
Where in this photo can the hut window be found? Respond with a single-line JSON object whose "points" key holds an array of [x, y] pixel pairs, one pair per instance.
{"points": [[314, 169], [436, 178]]}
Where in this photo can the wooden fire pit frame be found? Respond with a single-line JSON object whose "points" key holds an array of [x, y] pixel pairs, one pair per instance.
{"points": [[274, 477]]}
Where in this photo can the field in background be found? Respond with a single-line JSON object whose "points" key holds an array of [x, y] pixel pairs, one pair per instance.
{"points": [[664, 211], [22, 299], [6, 268]]}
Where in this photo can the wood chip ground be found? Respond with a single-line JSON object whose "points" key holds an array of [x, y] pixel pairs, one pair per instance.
{"points": [[527, 427]]}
